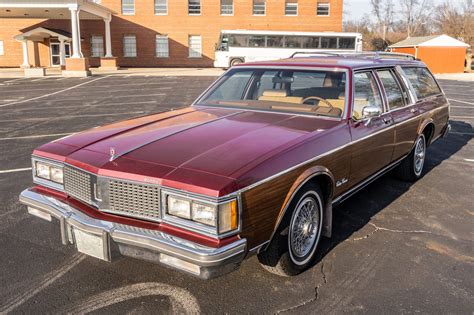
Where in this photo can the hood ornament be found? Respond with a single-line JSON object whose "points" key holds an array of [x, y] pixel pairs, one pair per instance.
{"points": [[112, 154]]}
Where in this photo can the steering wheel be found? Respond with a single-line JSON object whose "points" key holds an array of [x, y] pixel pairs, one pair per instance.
{"points": [[319, 99]]}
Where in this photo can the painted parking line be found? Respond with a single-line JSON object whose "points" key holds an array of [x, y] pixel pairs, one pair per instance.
{"points": [[181, 300], [462, 133], [131, 84], [469, 160], [459, 101], [91, 105], [15, 80], [15, 170], [49, 279], [37, 136], [54, 93], [74, 116], [463, 117]]}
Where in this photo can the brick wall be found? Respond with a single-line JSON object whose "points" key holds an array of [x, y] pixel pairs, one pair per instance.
{"points": [[178, 25]]}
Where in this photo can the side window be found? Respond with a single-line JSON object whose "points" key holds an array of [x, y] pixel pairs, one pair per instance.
{"points": [[366, 93], [392, 89], [422, 81], [233, 87]]}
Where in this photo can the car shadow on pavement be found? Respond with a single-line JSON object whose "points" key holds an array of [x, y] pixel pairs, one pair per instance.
{"points": [[357, 211]]}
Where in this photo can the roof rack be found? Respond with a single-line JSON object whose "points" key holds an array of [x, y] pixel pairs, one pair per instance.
{"points": [[314, 53], [365, 54]]}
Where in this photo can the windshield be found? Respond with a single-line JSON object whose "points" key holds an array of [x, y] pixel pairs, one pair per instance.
{"points": [[321, 92]]}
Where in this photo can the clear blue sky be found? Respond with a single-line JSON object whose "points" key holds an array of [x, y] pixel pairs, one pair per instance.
{"points": [[356, 9]]}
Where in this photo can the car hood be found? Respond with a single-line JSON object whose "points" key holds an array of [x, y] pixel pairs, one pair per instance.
{"points": [[201, 149]]}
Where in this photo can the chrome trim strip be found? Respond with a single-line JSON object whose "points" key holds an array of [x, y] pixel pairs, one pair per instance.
{"points": [[142, 238], [366, 182]]}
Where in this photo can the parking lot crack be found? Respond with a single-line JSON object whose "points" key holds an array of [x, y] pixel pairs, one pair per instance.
{"points": [[313, 299], [379, 228]]}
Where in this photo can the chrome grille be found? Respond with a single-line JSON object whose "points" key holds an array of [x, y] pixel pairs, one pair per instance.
{"points": [[134, 199], [78, 184]]}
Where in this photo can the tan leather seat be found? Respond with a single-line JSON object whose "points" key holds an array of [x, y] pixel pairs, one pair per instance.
{"points": [[279, 96]]}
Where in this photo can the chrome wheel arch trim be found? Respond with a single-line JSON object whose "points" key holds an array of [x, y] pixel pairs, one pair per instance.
{"points": [[327, 211]]}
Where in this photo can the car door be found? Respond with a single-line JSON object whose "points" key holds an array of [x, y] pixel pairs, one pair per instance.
{"points": [[403, 110], [371, 131]]}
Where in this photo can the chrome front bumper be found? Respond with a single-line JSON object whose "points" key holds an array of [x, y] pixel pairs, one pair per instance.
{"points": [[105, 240]]}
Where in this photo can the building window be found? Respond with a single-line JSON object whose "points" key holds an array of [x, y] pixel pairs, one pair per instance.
{"points": [[195, 49], [2, 49], [97, 46], [323, 9], [227, 7], [129, 46], [194, 7], [258, 7], [128, 7], [162, 46], [291, 7], [161, 7]]}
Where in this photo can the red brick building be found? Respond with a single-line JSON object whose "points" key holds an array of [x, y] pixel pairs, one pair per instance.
{"points": [[143, 33]]}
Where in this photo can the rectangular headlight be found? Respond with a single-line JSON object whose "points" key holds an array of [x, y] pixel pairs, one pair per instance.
{"points": [[205, 214], [43, 170], [50, 172], [56, 174], [179, 207]]}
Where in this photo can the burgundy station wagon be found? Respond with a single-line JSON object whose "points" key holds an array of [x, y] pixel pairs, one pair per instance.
{"points": [[254, 166]]}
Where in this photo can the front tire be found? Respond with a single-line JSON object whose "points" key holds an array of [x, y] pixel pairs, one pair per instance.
{"points": [[293, 248], [411, 169]]}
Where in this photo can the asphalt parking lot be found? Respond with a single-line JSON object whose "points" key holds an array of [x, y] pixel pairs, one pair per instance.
{"points": [[397, 248]]}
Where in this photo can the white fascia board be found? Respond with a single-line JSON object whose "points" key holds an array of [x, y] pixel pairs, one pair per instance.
{"points": [[97, 10], [443, 41]]}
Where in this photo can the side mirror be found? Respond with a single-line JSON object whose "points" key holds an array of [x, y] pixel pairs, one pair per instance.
{"points": [[371, 111]]}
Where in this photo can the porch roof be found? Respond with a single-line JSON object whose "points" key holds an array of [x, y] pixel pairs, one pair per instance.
{"points": [[40, 33]]}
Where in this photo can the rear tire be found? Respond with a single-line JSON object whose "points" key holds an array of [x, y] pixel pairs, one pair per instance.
{"points": [[411, 168], [293, 248], [236, 61]]}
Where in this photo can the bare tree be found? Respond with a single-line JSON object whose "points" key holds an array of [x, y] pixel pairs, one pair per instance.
{"points": [[384, 12], [456, 21], [414, 14]]}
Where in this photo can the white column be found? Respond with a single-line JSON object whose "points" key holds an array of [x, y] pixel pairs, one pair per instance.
{"points": [[108, 41], [62, 53], [26, 61], [76, 45]]}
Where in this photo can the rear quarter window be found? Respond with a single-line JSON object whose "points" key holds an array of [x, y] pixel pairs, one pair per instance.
{"points": [[422, 81]]}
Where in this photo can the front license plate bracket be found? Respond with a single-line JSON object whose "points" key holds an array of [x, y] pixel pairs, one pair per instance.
{"points": [[94, 245]]}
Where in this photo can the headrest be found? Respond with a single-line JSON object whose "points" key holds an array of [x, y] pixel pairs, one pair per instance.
{"points": [[275, 93]]}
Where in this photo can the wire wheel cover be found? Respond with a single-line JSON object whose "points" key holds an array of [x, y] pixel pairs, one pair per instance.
{"points": [[304, 230]]}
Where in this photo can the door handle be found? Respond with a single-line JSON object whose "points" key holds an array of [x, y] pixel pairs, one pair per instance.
{"points": [[413, 110], [387, 120]]}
